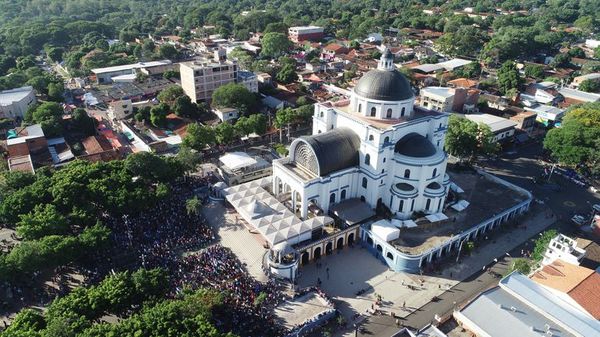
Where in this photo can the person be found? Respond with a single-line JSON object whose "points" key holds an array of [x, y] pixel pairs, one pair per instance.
{"points": [[397, 322]]}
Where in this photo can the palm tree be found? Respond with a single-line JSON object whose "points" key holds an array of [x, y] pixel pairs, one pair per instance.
{"points": [[193, 206]]}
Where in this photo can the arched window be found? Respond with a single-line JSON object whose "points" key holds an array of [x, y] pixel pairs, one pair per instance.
{"points": [[364, 182], [428, 204], [371, 138], [386, 140], [332, 198], [373, 111], [321, 114], [434, 173], [343, 195], [389, 113], [368, 159], [401, 207], [403, 110], [407, 173], [359, 107]]}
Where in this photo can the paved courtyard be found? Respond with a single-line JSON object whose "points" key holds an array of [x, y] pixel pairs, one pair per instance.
{"points": [[231, 233], [293, 313]]}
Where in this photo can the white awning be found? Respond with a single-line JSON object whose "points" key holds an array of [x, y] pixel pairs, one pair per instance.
{"points": [[436, 217], [409, 224], [237, 160], [461, 205], [456, 188], [385, 230]]}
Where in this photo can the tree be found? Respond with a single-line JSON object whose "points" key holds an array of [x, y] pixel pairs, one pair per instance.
{"points": [[521, 265], [184, 107], [168, 52], [169, 74], [467, 40], [467, 139], [198, 137], [44, 220], [55, 91], [193, 206], [275, 44], [243, 126], [276, 27], [577, 142], [83, 122], [597, 53], [534, 71], [590, 85], [234, 95], [576, 52], [49, 116], [188, 158], [287, 74], [471, 70], [561, 61], [158, 115], [508, 77], [258, 123], [224, 133], [56, 54], [541, 244], [170, 94]]}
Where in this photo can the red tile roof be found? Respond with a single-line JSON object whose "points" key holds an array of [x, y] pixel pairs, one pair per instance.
{"points": [[587, 294]]}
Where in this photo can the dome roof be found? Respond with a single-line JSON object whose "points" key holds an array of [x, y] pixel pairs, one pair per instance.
{"points": [[384, 85], [415, 145], [334, 150]]}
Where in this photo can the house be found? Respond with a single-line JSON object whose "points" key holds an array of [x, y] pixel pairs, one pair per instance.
{"points": [[28, 148], [226, 114], [573, 96], [264, 78], [305, 33], [591, 77], [333, 50], [248, 79], [579, 62], [98, 148], [543, 92], [15, 102], [564, 248], [463, 83], [546, 114], [592, 43], [496, 102], [502, 128], [449, 99]]}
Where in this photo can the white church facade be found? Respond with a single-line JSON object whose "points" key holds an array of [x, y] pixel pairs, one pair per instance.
{"points": [[374, 147]]}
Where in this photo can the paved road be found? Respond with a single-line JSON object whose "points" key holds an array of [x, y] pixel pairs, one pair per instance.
{"points": [[517, 168]]}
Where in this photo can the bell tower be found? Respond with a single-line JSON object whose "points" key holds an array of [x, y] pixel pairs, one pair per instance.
{"points": [[386, 61]]}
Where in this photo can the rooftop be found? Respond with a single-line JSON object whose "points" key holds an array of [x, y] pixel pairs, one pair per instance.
{"points": [[138, 65], [438, 91], [579, 95], [495, 123], [587, 294], [28, 132], [7, 97], [561, 276]]}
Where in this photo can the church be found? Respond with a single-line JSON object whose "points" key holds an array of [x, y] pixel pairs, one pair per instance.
{"points": [[374, 146]]}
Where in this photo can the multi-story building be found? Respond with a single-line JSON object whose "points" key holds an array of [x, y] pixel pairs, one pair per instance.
{"points": [[199, 79], [305, 33], [14, 102], [248, 79], [449, 99]]}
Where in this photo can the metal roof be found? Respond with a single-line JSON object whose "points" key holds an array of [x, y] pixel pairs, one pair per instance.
{"points": [[335, 150], [415, 145], [495, 123], [384, 85], [131, 66], [8, 97]]}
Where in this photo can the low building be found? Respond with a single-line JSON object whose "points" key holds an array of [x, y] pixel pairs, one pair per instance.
{"points": [[333, 50], [15, 102], [98, 148], [546, 114], [573, 96], [564, 248], [521, 307], [264, 78], [226, 114], [502, 128], [239, 167], [543, 92], [577, 80], [248, 79], [107, 75], [449, 99], [305, 33]]}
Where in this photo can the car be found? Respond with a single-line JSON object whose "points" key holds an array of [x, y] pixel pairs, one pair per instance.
{"points": [[578, 219]]}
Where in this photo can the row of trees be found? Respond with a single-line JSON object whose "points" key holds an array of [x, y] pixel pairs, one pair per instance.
{"points": [[199, 136], [138, 298], [56, 212]]}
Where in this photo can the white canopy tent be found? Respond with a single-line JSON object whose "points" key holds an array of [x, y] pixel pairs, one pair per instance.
{"points": [[456, 188], [270, 217], [409, 224], [237, 160], [460, 205], [385, 230], [436, 217]]}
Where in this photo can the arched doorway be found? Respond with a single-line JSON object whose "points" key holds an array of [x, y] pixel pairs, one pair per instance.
{"points": [[340, 243], [317, 253], [379, 248], [305, 258], [328, 248], [379, 202], [350, 239], [362, 198], [369, 240]]}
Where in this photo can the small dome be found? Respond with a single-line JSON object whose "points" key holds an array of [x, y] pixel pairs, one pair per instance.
{"points": [[384, 85], [404, 187], [415, 145]]}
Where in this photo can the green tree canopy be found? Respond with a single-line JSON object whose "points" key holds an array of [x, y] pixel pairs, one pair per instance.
{"points": [[590, 85], [158, 115], [234, 95], [184, 107], [275, 44], [198, 137], [82, 122], [224, 133], [508, 77], [49, 115], [467, 139], [170, 94]]}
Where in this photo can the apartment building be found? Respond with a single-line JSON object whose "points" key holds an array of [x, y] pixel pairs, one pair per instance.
{"points": [[199, 79], [305, 33]]}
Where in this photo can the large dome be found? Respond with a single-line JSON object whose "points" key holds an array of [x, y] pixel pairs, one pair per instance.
{"points": [[384, 85]]}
